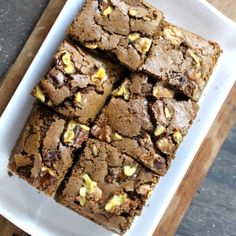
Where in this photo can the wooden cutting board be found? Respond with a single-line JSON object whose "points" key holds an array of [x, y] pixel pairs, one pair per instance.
{"points": [[202, 161]]}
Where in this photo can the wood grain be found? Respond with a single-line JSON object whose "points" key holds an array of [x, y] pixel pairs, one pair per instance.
{"points": [[204, 157], [16, 72], [199, 167]]}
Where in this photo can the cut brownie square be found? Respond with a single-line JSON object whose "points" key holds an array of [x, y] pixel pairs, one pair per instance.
{"points": [[145, 121], [108, 187], [77, 83], [183, 60], [124, 29], [44, 151]]}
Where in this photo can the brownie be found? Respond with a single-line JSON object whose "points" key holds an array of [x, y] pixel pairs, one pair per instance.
{"points": [[123, 29], [44, 150], [78, 83], [108, 187], [145, 120], [182, 59]]}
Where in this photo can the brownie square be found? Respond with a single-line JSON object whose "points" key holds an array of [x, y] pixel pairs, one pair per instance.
{"points": [[145, 120], [44, 150], [124, 29], [78, 83], [183, 60], [108, 187]]}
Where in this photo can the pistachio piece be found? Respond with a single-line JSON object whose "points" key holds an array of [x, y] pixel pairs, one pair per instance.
{"points": [[39, 94], [117, 136], [143, 45], [196, 58], [150, 193], [95, 150], [99, 76], [167, 113], [83, 191], [122, 91], [159, 91], [69, 134], [173, 34], [66, 59], [107, 11], [90, 185], [91, 45], [144, 189], [132, 12], [81, 200], [78, 97], [115, 201], [85, 127], [159, 130], [133, 37], [129, 171], [177, 137]]}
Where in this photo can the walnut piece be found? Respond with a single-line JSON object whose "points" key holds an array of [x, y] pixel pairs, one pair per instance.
{"points": [[100, 76], [143, 45], [174, 35], [159, 91]]}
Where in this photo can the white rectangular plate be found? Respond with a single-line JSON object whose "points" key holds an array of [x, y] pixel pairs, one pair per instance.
{"points": [[39, 215]]}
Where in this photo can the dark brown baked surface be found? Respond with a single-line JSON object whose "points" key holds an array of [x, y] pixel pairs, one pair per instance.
{"points": [[144, 120], [182, 59], [107, 187], [124, 29], [78, 83], [44, 151]]}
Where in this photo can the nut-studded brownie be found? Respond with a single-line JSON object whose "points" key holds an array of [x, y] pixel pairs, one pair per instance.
{"points": [[182, 60], [108, 187], [44, 151], [77, 83], [124, 29], [144, 120]]}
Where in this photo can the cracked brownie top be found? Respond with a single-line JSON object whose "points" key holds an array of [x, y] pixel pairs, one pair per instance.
{"points": [[77, 83], [107, 186], [122, 28], [44, 151]]}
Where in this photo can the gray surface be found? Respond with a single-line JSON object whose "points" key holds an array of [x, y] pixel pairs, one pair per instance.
{"points": [[213, 210]]}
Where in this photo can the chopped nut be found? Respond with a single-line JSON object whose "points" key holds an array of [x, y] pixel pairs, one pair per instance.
{"points": [[81, 200], [143, 45], [159, 130], [133, 12], [66, 58], [100, 76], [165, 145], [91, 45], [129, 171], [83, 191], [167, 113], [196, 58], [95, 150], [115, 201], [107, 11], [133, 37], [85, 127], [104, 133], [159, 91], [78, 97], [50, 171], [122, 91], [177, 137], [69, 134], [174, 35], [150, 193], [39, 94], [50, 104], [117, 136], [144, 189]]}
